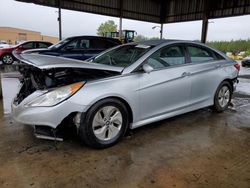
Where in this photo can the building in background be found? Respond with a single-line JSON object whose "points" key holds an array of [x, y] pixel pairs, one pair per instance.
{"points": [[15, 35]]}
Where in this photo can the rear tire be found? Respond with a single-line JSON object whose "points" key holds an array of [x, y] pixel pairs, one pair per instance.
{"points": [[222, 96], [105, 124], [7, 59]]}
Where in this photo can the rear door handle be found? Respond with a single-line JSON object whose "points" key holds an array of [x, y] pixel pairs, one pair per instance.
{"points": [[184, 74]]}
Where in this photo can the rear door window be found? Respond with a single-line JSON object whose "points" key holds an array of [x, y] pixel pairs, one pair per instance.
{"points": [[167, 56], [42, 45], [200, 55]]}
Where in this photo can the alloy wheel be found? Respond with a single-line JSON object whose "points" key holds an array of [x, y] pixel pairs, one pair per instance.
{"points": [[224, 96], [107, 123], [7, 59]]}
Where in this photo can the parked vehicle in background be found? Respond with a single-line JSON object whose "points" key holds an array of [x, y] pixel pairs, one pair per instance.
{"points": [[7, 57], [127, 86], [127, 36], [245, 61], [79, 47], [235, 56], [4, 44]]}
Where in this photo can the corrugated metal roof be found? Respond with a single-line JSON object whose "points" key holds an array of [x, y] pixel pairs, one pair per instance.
{"points": [[157, 11]]}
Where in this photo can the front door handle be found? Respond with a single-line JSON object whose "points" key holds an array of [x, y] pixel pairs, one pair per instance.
{"points": [[184, 74]]}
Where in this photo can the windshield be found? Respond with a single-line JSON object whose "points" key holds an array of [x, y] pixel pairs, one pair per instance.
{"points": [[59, 44], [122, 56]]}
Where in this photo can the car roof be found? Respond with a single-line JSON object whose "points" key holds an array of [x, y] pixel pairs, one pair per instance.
{"points": [[157, 42], [94, 37], [34, 41]]}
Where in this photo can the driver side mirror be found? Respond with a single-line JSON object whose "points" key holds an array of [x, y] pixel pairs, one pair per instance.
{"points": [[147, 68]]}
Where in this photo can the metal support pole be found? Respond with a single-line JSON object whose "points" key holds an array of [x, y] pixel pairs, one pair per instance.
{"points": [[205, 21], [161, 31], [204, 29], [120, 28], [59, 19], [120, 22]]}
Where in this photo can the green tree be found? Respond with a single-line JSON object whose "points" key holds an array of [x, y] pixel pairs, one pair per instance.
{"points": [[234, 46], [139, 38], [154, 38], [108, 26], [247, 53]]}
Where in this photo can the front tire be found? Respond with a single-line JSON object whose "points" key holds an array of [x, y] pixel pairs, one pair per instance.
{"points": [[223, 96], [7, 59], [104, 124]]}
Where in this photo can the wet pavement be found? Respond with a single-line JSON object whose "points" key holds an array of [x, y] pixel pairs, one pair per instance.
{"points": [[197, 149]]}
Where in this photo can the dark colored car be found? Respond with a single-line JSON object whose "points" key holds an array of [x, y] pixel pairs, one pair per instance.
{"points": [[245, 61], [79, 47], [6, 53]]}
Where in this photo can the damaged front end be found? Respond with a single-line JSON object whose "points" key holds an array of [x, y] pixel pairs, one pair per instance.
{"points": [[45, 87], [34, 79]]}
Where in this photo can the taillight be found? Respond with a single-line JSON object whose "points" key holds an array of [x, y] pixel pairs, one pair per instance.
{"points": [[237, 66]]}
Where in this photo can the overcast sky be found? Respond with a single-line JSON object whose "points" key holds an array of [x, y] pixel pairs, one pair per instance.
{"points": [[44, 19]]}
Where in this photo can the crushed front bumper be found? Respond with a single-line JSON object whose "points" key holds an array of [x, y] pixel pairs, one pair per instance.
{"points": [[49, 116]]}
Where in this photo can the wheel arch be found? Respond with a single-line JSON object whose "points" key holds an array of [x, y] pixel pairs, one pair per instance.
{"points": [[130, 112], [7, 53], [121, 99], [230, 81]]}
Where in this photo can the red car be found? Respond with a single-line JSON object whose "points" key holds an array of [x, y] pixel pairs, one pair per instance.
{"points": [[6, 53]]}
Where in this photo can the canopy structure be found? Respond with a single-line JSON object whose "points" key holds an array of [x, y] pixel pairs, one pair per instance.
{"points": [[156, 11]]}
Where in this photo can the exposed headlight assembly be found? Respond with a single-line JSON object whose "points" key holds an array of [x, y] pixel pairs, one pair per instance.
{"points": [[56, 96]]}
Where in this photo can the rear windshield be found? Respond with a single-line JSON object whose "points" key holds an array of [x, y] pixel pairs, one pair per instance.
{"points": [[122, 56]]}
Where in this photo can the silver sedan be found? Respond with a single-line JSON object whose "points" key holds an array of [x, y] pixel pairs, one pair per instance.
{"points": [[125, 87]]}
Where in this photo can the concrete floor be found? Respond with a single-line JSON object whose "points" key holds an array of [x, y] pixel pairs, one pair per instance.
{"points": [[198, 149]]}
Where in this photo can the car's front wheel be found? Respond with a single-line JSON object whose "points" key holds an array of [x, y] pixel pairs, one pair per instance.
{"points": [[223, 96], [104, 124], [7, 59]]}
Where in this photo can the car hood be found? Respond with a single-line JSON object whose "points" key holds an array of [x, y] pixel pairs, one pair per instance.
{"points": [[5, 46], [8, 48], [48, 62]]}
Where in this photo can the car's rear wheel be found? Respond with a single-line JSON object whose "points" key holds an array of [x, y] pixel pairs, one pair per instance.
{"points": [[7, 59], [104, 124], [223, 97]]}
